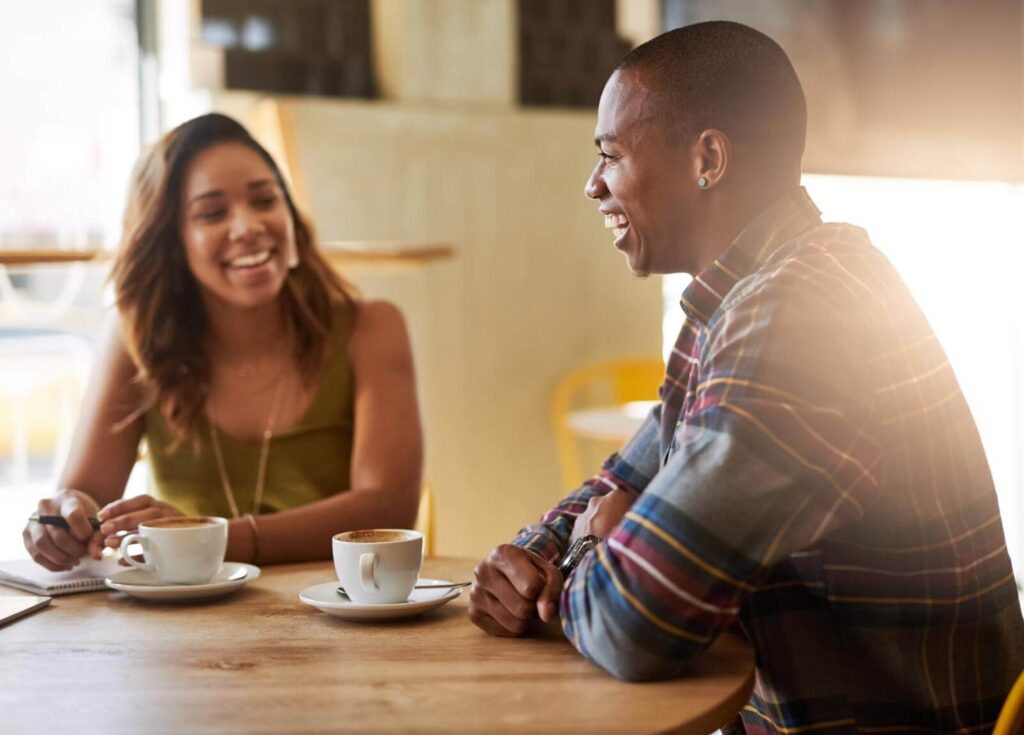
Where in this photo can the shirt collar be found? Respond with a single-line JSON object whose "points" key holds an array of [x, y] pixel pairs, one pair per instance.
{"points": [[777, 224]]}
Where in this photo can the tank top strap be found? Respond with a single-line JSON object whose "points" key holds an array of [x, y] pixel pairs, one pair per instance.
{"points": [[335, 385]]}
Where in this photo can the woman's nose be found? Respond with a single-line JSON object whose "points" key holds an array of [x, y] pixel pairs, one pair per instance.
{"points": [[244, 223]]}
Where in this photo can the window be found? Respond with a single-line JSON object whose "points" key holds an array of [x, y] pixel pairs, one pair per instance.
{"points": [[69, 135], [319, 47], [70, 129], [567, 49]]}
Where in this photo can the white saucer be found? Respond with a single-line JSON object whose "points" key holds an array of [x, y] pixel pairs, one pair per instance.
{"points": [[143, 585], [325, 597]]}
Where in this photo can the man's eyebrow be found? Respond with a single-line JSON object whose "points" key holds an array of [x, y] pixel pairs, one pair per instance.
{"points": [[605, 138]]}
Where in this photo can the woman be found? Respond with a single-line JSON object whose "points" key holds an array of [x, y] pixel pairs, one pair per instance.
{"points": [[264, 390]]}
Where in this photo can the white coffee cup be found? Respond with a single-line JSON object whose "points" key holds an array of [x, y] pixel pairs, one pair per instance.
{"points": [[180, 550], [378, 566]]}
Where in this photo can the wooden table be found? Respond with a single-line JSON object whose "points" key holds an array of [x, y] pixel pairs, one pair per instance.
{"points": [[260, 661]]}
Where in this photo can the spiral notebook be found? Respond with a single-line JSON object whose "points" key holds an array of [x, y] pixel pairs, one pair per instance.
{"points": [[25, 574]]}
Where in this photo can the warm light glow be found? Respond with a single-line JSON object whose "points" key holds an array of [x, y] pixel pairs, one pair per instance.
{"points": [[960, 248]]}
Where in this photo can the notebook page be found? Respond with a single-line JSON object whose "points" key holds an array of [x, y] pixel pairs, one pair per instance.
{"points": [[25, 574]]}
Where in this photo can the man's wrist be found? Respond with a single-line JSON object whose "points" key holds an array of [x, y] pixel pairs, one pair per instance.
{"points": [[576, 552], [540, 543]]}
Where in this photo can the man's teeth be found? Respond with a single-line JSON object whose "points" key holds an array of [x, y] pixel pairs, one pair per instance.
{"points": [[616, 221], [248, 261]]}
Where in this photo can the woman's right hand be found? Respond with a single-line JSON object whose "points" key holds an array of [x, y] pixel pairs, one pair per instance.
{"points": [[59, 550]]}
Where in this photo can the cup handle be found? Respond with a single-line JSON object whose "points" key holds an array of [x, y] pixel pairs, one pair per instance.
{"points": [[367, 566], [134, 538]]}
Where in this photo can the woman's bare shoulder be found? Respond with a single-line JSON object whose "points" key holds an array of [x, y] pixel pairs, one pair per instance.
{"points": [[379, 328], [378, 313], [111, 350]]}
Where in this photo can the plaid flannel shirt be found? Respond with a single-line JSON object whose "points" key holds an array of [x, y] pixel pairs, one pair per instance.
{"points": [[812, 476]]}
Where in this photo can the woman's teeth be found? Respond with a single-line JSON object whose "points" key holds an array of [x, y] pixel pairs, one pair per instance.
{"points": [[250, 261]]}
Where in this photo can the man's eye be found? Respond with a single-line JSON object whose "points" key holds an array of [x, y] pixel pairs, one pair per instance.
{"points": [[604, 156]]}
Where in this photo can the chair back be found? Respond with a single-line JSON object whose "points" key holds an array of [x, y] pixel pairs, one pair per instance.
{"points": [[425, 520], [613, 383], [1011, 717]]}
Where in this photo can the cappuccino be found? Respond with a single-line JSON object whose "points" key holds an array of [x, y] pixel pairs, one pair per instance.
{"points": [[179, 523], [374, 537]]}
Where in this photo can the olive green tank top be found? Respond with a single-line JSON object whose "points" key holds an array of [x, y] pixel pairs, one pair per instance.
{"points": [[307, 462]]}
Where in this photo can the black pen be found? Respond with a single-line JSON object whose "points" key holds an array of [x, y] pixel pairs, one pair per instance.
{"points": [[60, 521]]}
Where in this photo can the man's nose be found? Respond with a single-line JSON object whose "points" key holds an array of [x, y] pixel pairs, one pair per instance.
{"points": [[595, 187]]}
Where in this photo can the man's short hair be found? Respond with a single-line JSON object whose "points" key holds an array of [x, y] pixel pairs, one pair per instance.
{"points": [[726, 76]]}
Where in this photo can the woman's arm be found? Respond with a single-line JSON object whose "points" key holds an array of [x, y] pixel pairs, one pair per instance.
{"points": [[387, 453], [100, 459]]}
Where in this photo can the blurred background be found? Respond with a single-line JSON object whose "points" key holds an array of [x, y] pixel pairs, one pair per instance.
{"points": [[469, 123]]}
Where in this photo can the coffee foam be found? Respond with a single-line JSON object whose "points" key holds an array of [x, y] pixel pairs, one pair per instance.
{"points": [[178, 522], [375, 536]]}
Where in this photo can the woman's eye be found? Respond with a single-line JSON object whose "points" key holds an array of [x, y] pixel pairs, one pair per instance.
{"points": [[210, 215], [266, 202]]}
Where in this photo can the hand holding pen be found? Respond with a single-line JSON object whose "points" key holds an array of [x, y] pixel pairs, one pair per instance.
{"points": [[60, 521], [63, 530]]}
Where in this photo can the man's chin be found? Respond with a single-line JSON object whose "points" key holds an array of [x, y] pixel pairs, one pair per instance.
{"points": [[638, 269]]}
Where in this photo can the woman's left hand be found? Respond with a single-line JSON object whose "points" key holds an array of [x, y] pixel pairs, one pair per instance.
{"points": [[126, 515]]}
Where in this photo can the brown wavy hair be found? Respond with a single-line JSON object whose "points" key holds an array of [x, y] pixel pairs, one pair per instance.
{"points": [[163, 320]]}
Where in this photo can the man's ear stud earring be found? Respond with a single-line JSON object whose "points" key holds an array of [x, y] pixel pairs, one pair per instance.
{"points": [[702, 182]]}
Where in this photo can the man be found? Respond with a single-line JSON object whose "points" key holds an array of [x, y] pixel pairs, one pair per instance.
{"points": [[812, 476]]}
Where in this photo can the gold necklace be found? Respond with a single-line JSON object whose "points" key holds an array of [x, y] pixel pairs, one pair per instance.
{"points": [[225, 481]]}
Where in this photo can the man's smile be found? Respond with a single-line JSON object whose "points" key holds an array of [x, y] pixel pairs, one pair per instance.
{"points": [[617, 223]]}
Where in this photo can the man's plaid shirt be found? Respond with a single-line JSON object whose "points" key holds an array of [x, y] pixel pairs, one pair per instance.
{"points": [[812, 476]]}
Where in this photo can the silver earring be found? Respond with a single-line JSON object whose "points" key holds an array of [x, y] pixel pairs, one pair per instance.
{"points": [[702, 182]]}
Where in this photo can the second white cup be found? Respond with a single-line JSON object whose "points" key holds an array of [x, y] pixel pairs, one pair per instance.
{"points": [[378, 566]]}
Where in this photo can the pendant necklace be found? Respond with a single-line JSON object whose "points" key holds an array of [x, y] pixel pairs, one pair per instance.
{"points": [[268, 431]]}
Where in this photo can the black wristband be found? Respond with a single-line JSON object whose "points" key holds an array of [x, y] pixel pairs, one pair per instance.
{"points": [[575, 553]]}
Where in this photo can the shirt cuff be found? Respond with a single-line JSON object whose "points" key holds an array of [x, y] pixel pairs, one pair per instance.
{"points": [[541, 543]]}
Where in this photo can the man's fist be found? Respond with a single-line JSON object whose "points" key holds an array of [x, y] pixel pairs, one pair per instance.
{"points": [[512, 585]]}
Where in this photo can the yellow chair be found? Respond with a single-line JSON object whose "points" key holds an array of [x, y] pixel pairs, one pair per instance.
{"points": [[1011, 718], [611, 385], [425, 520]]}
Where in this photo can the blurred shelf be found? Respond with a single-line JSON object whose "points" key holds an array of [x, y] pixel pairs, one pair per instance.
{"points": [[45, 256], [344, 254]]}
